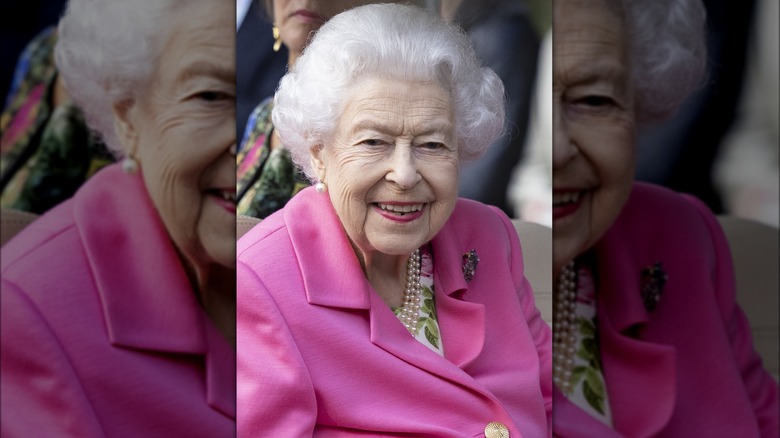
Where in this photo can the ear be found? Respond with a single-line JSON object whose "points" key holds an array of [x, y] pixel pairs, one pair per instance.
{"points": [[316, 159], [125, 125]]}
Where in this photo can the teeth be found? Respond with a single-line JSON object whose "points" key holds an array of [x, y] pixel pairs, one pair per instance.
{"points": [[227, 196], [400, 208], [565, 198]]}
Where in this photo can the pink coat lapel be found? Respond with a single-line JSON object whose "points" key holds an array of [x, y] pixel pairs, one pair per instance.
{"points": [[147, 299], [340, 282], [647, 368], [450, 289]]}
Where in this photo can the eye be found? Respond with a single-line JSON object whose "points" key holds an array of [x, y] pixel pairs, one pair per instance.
{"points": [[212, 96], [595, 101], [433, 145], [371, 142]]}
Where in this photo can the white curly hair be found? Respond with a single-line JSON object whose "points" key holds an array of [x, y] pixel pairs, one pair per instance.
{"points": [[106, 52], [386, 41], [669, 53]]}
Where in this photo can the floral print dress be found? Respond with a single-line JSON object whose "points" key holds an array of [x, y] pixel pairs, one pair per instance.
{"points": [[427, 323], [588, 388], [266, 179], [47, 152]]}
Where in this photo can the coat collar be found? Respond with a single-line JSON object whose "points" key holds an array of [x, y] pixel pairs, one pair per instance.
{"points": [[331, 271], [147, 300], [646, 368], [337, 280], [456, 314]]}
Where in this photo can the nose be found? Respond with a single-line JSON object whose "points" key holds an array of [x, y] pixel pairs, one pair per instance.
{"points": [[403, 168], [564, 150]]}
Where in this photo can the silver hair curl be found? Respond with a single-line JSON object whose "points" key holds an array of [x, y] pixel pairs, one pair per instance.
{"points": [[105, 53], [386, 41], [669, 53]]}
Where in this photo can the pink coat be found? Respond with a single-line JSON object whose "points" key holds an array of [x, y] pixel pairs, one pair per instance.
{"points": [[688, 367], [102, 334], [320, 353]]}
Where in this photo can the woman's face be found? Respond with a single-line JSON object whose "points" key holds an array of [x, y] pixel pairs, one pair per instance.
{"points": [[593, 125], [391, 165], [181, 127], [297, 19]]}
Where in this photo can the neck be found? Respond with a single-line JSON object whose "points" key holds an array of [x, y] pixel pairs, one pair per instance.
{"points": [[215, 287], [216, 292], [292, 58], [387, 275]]}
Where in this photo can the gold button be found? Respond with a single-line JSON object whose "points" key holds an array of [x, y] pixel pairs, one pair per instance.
{"points": [[496, 430]]}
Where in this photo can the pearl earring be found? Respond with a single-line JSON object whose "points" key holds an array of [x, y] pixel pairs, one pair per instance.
{"points": [[320, 187], [129, 165]]}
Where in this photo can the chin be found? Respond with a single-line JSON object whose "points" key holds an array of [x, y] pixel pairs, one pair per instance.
{"points": [[226, 257], [564, 251], [220, 251], [393, 247]]}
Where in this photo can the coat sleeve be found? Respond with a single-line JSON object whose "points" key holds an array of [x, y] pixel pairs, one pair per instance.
{"points": [[40, 391], [539, 329], [275, 395], [760, 387]]}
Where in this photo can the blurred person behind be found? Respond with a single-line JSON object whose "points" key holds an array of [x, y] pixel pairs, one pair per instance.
{"points": [[118, 305], [47, 149], [506, 42], [648, 339], [258, 66], [530, 191], [747, 170]]}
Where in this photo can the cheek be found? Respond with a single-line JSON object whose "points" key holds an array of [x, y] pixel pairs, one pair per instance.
{"points": [[442, 176], [609, 149]]}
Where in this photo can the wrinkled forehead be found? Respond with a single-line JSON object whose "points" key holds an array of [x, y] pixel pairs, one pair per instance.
{"points": [[589, 33], [570, 15]]}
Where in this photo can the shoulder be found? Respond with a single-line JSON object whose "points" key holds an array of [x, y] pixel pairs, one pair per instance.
{"points": [[679, 230], [475, 225], [42, 243], [662, 215], [264, 240], [479, 219], [268, 246]]}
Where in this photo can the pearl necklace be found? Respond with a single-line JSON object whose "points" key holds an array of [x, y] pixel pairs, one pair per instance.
{"points": [[564, 327], [410, 308]]}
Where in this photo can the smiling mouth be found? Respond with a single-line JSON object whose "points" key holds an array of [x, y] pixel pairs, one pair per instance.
{"points": [[401, 210], [565, 198], [227, 195]]}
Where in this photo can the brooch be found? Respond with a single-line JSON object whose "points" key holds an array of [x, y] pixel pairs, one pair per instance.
{"points": [[470, 261], [653, 280]]}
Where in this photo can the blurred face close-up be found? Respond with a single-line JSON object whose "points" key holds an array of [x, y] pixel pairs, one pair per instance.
{"points": [[184, 127], [593, 131], [391, 165], [297, 19]]}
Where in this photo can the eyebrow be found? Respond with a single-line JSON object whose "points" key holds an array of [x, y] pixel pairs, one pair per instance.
{"points": [[431, 126], [595, 72], [207, 69]]}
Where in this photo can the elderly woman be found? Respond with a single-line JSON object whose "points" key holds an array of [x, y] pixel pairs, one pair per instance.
{"points": [[376, 301], [118, 304], [648, 339], [267, 177]]}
